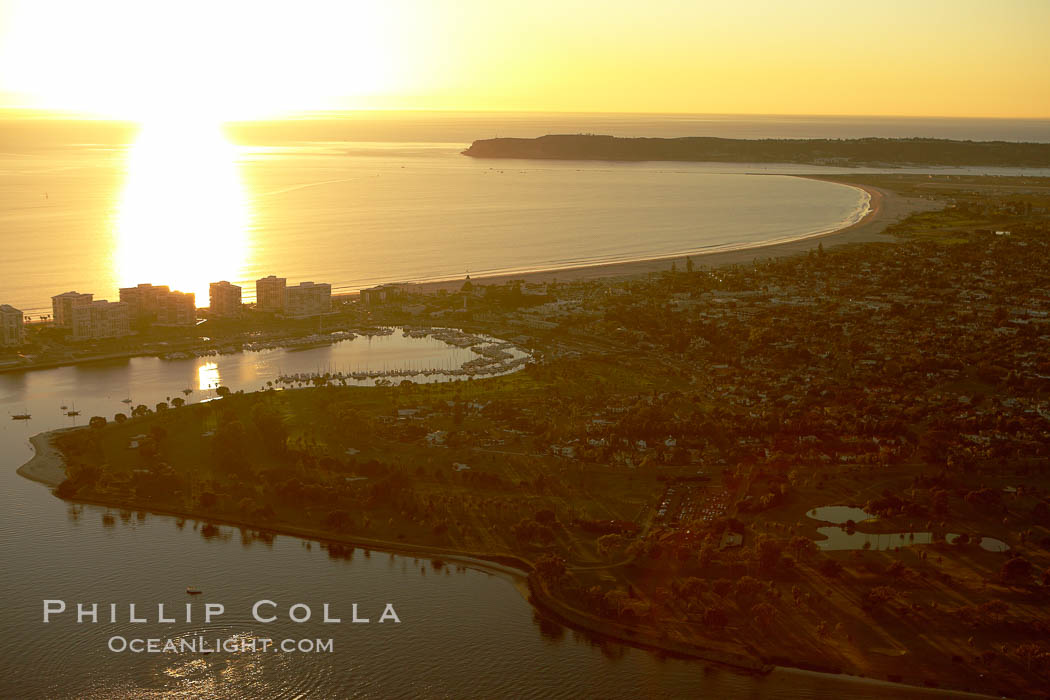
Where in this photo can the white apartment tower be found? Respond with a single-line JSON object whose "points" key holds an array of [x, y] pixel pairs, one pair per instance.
{"points": [[62, 307], [224, 299], [12, 326], [269, 293]]}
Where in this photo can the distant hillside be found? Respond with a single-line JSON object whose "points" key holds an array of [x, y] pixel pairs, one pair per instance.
{"points": [[873, 151]]}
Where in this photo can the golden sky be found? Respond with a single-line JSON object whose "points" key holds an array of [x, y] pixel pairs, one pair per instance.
{"points": [[147, 59]]}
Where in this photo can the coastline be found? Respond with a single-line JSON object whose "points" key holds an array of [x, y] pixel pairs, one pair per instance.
{"points": [[47, 467], [884, 208]]}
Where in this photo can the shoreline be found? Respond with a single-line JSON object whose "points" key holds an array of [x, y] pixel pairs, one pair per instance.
{"points": [[47, 467], [884, 208]]}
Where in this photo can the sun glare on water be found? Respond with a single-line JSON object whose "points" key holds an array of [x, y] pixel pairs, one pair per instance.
{"points": [[183, 217]]}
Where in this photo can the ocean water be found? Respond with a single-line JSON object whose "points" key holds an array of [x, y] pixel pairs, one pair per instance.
{"points": [[374, 198]]}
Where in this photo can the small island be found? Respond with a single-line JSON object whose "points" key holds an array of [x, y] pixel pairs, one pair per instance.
{"points": [[841, 152]]}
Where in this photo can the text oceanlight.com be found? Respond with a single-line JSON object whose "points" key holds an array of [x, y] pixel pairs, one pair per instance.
{"points": [[205, 645]]}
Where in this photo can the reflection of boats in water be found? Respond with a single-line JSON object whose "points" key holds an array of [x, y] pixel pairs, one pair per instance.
{"points": [[20, 416], [192, 590], [127, 400], [73, 411]]}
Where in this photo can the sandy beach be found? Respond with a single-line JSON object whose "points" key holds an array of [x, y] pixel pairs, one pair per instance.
{"points": [[884, 208], [47, 466]]}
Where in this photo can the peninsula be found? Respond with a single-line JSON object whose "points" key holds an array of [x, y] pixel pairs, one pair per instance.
{"points": [[834, 460], [843, 152]]}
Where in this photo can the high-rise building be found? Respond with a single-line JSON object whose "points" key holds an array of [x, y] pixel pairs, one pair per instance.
{"points": [[159, 305], [385, 293], [12, 326], [178, 309], [224, 299], [62, 307], [100, 319], [307, 299], [269, 293]]}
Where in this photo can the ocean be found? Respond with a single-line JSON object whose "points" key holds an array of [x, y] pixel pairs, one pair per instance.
{"points": [[368, 198]]}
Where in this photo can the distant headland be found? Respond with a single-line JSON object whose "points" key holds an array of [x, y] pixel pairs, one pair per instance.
{"points": [[849, 152]]}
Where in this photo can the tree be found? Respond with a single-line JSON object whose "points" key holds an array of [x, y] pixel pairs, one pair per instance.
{"points": [[716, 617], [120, 418], [1016, 570], [338, 520], [802, 547], [229, 445], [939, 503], [764, 614], [610, 545], [550, 568], [747, 588], [222, 391], [1030, 654], [768, 553], [270, 424], [97, 422], [689, 265]]}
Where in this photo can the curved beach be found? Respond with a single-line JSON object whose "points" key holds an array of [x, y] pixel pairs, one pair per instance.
{"points": [[47, 466], [884, 207]]}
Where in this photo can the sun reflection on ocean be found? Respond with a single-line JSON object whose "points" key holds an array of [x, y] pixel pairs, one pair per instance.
{"points": [[183, 218]]}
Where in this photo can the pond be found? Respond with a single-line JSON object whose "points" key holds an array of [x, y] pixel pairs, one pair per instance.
{"points": [[838, 539], [839, 514]]}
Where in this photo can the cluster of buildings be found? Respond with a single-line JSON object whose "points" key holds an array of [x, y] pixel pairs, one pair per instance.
{"points": [[87, 318]]}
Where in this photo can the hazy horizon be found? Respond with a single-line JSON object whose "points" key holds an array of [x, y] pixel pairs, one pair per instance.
{"points": [[17, 111], [934, 58]]}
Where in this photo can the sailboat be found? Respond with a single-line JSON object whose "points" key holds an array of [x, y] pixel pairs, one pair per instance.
{"points": [[21, 416], [73, 411]]}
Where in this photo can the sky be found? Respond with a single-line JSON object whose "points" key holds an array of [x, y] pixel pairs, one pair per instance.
{"points": [[234, 59]]}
